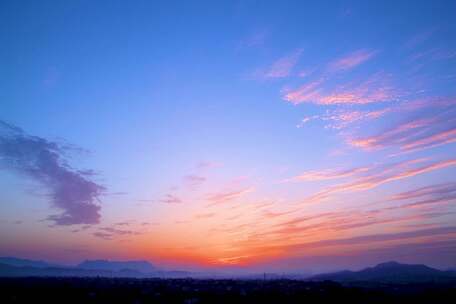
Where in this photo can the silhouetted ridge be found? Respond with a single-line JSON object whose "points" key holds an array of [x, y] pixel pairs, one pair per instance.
{"points": [[141, 266], [393, 272], [389, 264], [12, 261]]}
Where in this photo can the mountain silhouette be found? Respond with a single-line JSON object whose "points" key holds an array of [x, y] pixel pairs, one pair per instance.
{"points": [[141, 266], [14, 267], [390, 272], [24, 262]]}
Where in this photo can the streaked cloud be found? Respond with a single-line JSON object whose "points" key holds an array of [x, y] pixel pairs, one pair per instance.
{"points": [[425, 129], [371, 238], [429, 195], [223, 197], [204, 215], [111, 233], [352, 60], [283, 66], [379, 175], [342, 118], [437, 189], [171, 199], [372, 90], [327, 174], [194, 180]]}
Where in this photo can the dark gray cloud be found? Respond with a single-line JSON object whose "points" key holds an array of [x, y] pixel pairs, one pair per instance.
{"points": [[69, 190]]}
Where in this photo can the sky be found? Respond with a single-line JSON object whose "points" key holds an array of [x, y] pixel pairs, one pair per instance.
{"points": [[229, 135]]}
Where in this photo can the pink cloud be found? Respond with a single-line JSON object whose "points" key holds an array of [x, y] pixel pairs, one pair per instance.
{"points": [[222, 197], [204, 215], [270, 214], [352, 60], [171, 199], [310, 92], [444, 137], [438, 189], [342, 118], [282, 67], [372, 90], [328, 174], [194, 180], [429, 131], [379, 175]]}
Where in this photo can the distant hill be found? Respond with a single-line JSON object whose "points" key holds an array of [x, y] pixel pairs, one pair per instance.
{"points": [[27, 271], [141, 266], [23, 262], [390, 272], [13, 267]]}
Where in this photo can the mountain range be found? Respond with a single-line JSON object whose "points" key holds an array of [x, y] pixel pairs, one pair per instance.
{"points": [[141, 266], [389, 272], [12, 261], [15, 267]]}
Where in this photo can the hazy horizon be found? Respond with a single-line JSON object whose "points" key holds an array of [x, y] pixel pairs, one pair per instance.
{"points": [[277, 136]]}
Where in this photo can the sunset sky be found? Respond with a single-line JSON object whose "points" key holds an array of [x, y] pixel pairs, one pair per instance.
{"points": [[243, 135]]}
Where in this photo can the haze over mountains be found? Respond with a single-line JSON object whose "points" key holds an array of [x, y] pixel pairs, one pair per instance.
{"points": [[14, 267], [141, 266], [389, 272]]}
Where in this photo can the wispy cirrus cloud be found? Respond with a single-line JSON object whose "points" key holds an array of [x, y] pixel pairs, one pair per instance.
{"points": [[292, 237], [371, 238], [110, 233], [437, 189], [205, 215], [343, 221], [71, 190], [342, 118], [171, 199], [429, 127], [283, 66], [223, 197], [194, 180], [379, 175], [374, 89], [271, 214], [328, 174], [429, 195], [352, 60]]}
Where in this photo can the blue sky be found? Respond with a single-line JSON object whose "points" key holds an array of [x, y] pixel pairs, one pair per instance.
{"points": [[208, 125]]}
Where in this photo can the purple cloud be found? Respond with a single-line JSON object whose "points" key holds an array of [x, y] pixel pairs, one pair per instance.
{"points": [[194, 180], [171, 199], [70, 190]]}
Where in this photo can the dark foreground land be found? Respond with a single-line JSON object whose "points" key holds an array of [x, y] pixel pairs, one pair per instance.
{"points": [[112, 290]]}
